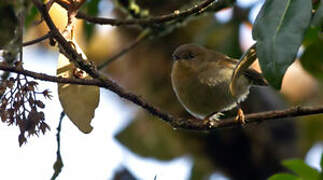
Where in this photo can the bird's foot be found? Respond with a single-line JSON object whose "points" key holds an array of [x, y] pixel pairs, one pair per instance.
{"points": [[213, 119], [240, 117]]}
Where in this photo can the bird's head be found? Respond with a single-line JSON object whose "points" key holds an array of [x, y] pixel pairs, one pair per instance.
{"points": [[190, 56], [189, 52]]}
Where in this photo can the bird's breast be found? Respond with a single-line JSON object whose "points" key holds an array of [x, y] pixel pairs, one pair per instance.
{"points": [[202, 95]]}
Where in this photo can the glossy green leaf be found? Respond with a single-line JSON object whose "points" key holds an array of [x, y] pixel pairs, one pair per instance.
{"points": [[312, 59], [284, 176], [318, 17], [279, 31], [301, 169]]}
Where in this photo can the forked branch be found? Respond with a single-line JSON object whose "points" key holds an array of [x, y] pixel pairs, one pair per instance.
{"points": [[184, 123], [101, 80]]}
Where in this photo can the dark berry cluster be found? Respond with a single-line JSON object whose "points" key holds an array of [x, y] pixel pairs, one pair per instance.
{"points": [[20, 106]]}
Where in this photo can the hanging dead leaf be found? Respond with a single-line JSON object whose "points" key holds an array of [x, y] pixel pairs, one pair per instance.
{"points": [[79, 102]]}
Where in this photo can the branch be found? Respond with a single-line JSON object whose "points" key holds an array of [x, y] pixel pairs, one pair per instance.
{"points": [[102, 81], [197, 9], [65, 46], [46, 36], [58, 165], [154, 20], [142, 36], [147, 32], [182, 123]]}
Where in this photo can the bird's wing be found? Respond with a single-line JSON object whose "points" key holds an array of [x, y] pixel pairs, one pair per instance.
{"points": [[222, 59], [255, 77], [217, 68], [243, 68], [243, 65], [213, 74]]}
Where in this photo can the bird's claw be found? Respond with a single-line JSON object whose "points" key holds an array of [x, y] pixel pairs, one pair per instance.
{"points": [[213, 120], [241, 117]]}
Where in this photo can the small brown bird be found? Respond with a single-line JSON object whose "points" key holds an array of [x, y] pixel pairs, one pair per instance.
{"points": [[201, 80]]}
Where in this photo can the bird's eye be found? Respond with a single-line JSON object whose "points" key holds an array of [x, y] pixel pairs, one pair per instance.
{"points": [[175, 57], [189, 55]]}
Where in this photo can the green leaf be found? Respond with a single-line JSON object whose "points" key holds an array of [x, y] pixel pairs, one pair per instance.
{"points": [[284, 176], [279, 31], [89, 30], [301, 169], [312, 59], [311, 35], [318, 17], [91, 8]]}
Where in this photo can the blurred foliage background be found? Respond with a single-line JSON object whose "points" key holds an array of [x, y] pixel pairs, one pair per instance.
{"points": [[251, 152]]}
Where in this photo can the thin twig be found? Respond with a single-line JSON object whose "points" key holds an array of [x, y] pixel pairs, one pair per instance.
{"points": [[141, 37], [58, 165], [145, 34], [198, 9], [150, 20], [102, 81], [184, 123], [65, 47], [28, 43]]}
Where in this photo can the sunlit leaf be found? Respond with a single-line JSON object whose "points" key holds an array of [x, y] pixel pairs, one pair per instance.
{"points": [[279, 31], [79, 102], [284, 176], [301, 169]]}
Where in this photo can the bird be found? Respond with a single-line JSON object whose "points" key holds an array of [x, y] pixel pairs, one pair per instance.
{"points": [[202, 81]]}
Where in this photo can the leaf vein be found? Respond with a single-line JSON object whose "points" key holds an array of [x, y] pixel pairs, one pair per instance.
{"points": [[281, 20]]}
